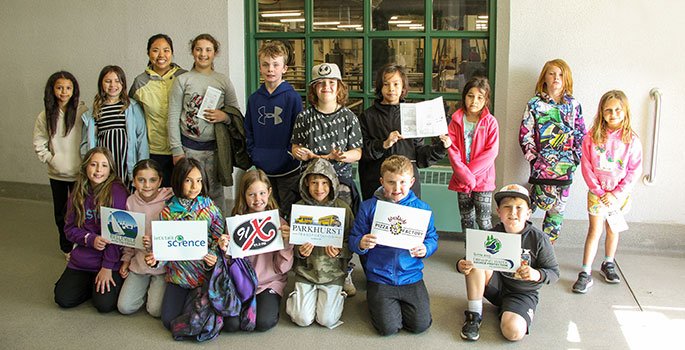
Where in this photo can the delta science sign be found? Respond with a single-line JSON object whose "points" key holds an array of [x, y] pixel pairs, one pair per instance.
{"points": [[179, 240]]}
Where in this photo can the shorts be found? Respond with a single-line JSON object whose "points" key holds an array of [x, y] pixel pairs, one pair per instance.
{"points": [[596, 207], [520, 303]]}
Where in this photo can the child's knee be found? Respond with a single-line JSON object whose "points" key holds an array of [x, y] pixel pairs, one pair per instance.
{"points": [[302, 319], [126, 308], [154, 310], [513, 328]]}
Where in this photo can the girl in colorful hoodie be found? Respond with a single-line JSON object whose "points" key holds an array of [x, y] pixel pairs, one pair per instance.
{"points": [[93, 270], [475, 144], [255, 195], [189, 203], [56, 138], [142, 280], [611, 164], [551, 135]]}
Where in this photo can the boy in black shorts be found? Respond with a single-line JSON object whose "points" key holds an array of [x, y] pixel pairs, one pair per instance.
{"points": [[516, 294]]}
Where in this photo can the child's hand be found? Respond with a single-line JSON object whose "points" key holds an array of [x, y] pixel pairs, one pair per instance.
{"points": [[527, 273], [123, 270], [224, 240], [303, 153], [147, 243], [392, 139], [332, 251], [306, 249], [608, 199], [368, 242], [210, 259], [104, 280], [215, 116], [100, 243], [285, 232], [176, 159], [446, 141], [337, 155], [418, 252], [150, 259], [464, 266]]}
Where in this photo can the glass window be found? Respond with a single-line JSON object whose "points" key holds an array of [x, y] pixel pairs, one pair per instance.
{"points": [[455, 61], [347, 54], [356, 105], [470, 15], [398, 15], [335, 15], [295, 61], [281, 16], [405, 52]]}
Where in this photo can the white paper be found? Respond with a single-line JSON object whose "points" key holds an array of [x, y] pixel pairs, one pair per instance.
{"points": [[423, 119], [497, 251], [179, 240], [210, 101], [399, 226], [320, 226], [617, 221], [122, 227], [255, 233]]}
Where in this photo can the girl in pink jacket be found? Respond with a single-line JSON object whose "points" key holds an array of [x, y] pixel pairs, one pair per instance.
{"points": [[611, 163], [475, 144]]}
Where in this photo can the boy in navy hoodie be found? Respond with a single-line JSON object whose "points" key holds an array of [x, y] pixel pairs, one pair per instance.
{"points": [[269, 121], [396, 293]]}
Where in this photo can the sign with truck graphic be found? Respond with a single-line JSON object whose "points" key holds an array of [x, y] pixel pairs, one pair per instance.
{"points": [[320, 226]]}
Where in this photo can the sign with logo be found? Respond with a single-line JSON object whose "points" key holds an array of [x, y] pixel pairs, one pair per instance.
{"points": [[320, 226], [122, 227], [399, 226], [255, 233], [179, 240], [497, 251]]}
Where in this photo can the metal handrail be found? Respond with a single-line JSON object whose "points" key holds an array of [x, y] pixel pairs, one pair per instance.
{"points": [[650, 178]]}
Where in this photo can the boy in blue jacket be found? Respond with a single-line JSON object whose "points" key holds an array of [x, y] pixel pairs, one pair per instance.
{"points": [[396, 293], [269, 121]]}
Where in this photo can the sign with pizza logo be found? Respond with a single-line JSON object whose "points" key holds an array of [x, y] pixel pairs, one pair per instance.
{"points": [[399, 226], [255, 233]]}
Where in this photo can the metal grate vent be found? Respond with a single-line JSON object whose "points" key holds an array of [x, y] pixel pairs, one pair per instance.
{"points": [[436, 175]]}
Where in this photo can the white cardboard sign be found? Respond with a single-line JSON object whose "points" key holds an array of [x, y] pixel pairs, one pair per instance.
{"points": [[423, 119], [320, 226], [179, 240], [209, 101], [254, 233], [490, 250], [121, 227], [399, 226]]}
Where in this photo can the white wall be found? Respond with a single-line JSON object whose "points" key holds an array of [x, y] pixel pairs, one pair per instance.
{"points": [[41, 37], [609, 44]]}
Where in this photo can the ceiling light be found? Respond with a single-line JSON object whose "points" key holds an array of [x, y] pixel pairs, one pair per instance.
{"points": [[401, 21], [281, 14], [333, 23], [349, 25], [292, 20]]}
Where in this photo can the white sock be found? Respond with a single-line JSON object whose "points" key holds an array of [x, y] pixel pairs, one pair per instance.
{"points": [[476, 306], [609, 259]]}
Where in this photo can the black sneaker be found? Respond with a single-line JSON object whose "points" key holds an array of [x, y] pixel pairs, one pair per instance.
{"points": [[583, 283], [608, 270], [470, 329]]}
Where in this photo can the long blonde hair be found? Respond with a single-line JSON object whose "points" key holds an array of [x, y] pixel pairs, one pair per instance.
{"points": [[102, 192], [248, 179], [101, 96], [599, 126]]}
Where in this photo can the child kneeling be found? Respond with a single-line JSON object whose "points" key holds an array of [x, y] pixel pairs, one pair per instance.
{"points": [[396, 294], [516, 294], [320, 271]]}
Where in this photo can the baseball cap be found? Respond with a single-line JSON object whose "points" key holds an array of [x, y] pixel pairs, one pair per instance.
{"points": [[512, 190], [325, 71]]}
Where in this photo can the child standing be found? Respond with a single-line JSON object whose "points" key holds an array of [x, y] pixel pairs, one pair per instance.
{"points": [[515, 294], [380, 125], [191, 135], [117, 123], [256, 195], [269, 122], [189, 203], [320, 271], [551, 136], [612, 162], [93, 270], [141, 280], [396, 293], [151, 89], [475, 145], [56, 139]]}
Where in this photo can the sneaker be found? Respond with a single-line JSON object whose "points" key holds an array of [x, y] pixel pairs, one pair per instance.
{"points": [[471, 328], [348, 286], [583, 283], [608, 270]]}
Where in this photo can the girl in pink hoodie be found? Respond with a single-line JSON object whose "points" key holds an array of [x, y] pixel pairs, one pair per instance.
{"points": [[611, 163], [475, 144], [255, 195], [141, 279]]}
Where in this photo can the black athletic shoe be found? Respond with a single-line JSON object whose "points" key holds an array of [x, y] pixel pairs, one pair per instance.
{"points": [[471, 328], [608, 270], [583, 283]]}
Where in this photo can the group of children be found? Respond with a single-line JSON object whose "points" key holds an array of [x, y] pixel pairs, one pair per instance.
{"points": [[152, 140]]}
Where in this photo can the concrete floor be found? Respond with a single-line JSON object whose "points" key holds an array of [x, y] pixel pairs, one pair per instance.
{"points": [[645, 311]]}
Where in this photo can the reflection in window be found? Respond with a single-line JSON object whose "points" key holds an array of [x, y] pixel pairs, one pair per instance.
{"points": [[398, 15], [356, 105], [471, 15], [281, 15], [335, 15], [295, 61], [405, 52], [347, 54], [455, 61]]}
